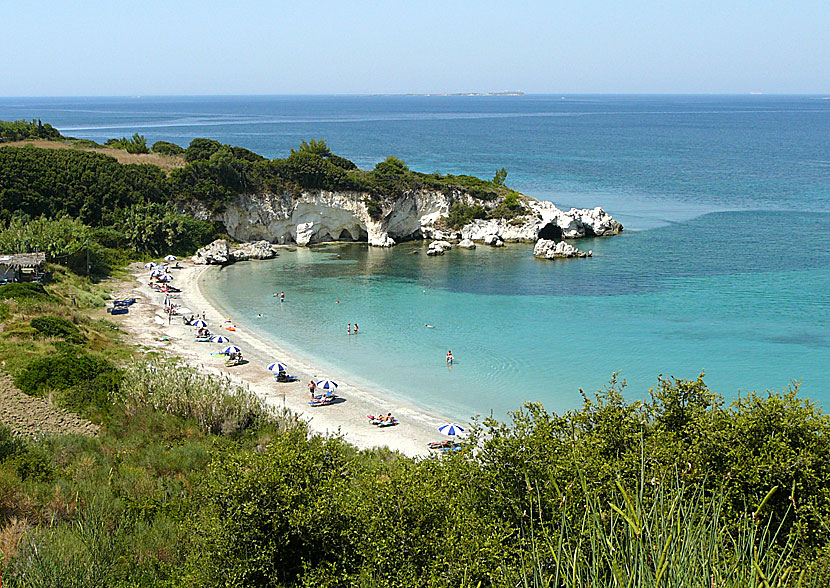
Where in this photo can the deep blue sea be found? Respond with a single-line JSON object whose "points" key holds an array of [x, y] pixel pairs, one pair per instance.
{"points": [[724, 265]]}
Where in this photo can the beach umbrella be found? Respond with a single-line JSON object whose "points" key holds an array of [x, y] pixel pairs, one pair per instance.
{"points": [[156, 272], [231, 349], [171, 258], [326, 384], [150, 264], [220, 339], [451, 429], [277, 367], [164, 278], [198, 323]]}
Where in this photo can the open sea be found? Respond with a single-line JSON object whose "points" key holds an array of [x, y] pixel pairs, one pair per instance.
{"points": [[724, 265]]}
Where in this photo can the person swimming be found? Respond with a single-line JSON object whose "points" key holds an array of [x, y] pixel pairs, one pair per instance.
{"points": [[428, 326], [450, 358]]}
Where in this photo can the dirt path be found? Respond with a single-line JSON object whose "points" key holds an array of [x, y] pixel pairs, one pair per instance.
{"points": [[28, 416]]}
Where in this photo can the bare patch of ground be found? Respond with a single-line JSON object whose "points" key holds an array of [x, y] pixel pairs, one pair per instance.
{"points": [[28, 416], [165, 162]]}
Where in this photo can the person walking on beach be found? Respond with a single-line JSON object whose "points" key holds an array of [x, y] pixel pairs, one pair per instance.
{"points": [[312, 388]]}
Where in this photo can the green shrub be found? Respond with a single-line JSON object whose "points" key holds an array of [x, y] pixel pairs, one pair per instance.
{"points": [[54, 326], [9, 444], [35, 463], [167, 148], [23, 129], [24, 290], [135, 144], [90, 376], [460, 214]]}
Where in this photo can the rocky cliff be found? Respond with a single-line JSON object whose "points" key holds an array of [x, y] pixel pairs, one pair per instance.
{"points": [[317, 216]]}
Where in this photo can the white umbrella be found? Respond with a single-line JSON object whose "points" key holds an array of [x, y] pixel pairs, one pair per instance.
{"points": [[277, 367], [171, 258], [451, 429], [198, 323], [231, 349], [326, 384], [150, 264], [220, 339], [164, 278], [156, 272]]}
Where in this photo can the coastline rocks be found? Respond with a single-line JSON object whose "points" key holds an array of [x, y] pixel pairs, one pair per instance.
{"points": [[435, 251], [258, 250], [494, 241], [216, 253], [466, 244], [315, 216], [549, 249], [442, 245]]}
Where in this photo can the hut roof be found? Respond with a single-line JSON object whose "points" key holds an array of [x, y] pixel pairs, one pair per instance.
{"points": [[23, 260]]}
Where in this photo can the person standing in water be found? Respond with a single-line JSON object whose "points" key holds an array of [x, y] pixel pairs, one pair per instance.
{"points": [[282, 296], [349, 329], [450, 358], [355, 328]]}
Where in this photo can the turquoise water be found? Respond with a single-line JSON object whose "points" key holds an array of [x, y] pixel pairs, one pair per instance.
{"points": [[749, 308], [724, 266]]}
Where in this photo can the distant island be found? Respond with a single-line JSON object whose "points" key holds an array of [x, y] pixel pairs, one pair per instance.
{"points": [[508, 93]]}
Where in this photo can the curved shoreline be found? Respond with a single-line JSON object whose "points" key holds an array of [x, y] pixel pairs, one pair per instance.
{"points": [[416, 427]]}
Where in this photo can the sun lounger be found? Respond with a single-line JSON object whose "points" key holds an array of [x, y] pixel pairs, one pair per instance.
{"points": [[203, 339], [321, 401], [441, 444], [285, 379]]}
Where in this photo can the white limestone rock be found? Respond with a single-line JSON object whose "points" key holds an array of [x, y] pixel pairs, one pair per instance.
{"points": [[435, 251], [494, 241], [550, 249], [442, 245], [467, 244], [257, 250], [216, 253]]}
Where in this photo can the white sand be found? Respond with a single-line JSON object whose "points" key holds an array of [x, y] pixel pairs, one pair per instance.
{"points": [[147, 323]]}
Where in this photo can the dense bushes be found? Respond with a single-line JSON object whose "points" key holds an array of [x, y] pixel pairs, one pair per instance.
{"points": [[167, 148], [135, 144], [55, 326], [24, 290], [23, 129]]}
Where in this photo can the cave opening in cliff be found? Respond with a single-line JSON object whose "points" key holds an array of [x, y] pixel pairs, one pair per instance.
{"points": [[551, 232], [345, 235]]}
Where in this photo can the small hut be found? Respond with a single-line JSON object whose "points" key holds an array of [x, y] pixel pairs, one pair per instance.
{"points": [[22, 267]]}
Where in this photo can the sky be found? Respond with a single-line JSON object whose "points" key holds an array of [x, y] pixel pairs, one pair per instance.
{"points": [[150, 47]]}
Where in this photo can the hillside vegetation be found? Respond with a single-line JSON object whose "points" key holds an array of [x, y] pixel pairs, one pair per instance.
{"points": [[131, 203]]}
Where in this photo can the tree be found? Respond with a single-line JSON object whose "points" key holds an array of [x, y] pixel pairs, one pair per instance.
{"points": [[500, 176]]}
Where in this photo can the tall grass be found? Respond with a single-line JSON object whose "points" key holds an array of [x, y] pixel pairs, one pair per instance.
{"points": [[661, 534], [214, 401]]}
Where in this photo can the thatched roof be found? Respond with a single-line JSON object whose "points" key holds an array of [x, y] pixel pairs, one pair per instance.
{"points": [[23, 260]]}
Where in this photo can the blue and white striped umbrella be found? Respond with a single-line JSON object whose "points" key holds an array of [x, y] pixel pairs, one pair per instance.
{"points": [[156, 272], [198, 323], [277, 367], [164, 278], [326, 384], [451, 429], [150, 264], [171, 258], [231, 349], [220, 339]]}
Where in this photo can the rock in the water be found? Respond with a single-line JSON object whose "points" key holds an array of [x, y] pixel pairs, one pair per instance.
{"points": [[258, 250], [467, 244], [305, 232], [382, 240], [216, 253], [435, 251], [494, 241], [549, 249], [442, 245]]}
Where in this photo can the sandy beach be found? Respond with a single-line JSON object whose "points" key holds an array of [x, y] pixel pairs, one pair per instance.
{"points": [[148, 325]]}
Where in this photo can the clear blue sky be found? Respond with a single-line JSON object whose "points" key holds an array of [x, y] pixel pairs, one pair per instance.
{"points": [[148, 47]]}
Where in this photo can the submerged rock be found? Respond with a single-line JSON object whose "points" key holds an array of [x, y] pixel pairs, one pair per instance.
{"points": [[549, 249]]}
